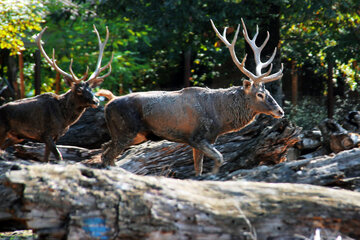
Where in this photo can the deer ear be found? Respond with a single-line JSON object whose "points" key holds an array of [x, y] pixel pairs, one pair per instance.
{"points": [[247, 85]]}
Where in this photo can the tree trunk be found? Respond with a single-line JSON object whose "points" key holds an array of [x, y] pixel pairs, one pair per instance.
{"points": [[187, 67], [57, 83], [21, 75], [11, 74], [294, 83], [76, 202], [330, 98], [37, 70]]}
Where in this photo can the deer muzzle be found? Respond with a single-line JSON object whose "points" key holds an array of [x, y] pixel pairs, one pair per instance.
{"points": [[278, 113]]}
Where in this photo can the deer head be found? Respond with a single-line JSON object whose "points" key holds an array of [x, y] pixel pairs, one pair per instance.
{"points": [[260, 98], [81, 87]]}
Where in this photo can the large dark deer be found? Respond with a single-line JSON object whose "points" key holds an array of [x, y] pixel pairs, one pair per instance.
{"points": [[48, 116], [193, 115]]}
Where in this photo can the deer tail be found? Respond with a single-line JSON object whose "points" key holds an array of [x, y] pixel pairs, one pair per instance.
{"points": [[105, 93]]}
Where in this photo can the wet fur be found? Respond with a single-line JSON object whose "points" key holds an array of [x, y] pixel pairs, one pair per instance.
{"points": [[194, 115]]}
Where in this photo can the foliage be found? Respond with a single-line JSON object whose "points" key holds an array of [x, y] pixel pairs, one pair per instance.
{"points": [[322, 32], [149, 39], [17, 19], [306, 114], [70, 33], [178, 27]]}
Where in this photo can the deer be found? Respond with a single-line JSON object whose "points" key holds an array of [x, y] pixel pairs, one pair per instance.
{"points": [[46, 117], [195, 116]]}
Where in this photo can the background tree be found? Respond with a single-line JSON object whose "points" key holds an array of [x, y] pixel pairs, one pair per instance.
{"points": [[170, 44], [18, 21], [323, 36]]}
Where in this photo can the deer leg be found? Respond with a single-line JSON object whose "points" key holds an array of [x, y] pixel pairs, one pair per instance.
{"points": [[50, 146], [112, 149], [2, 140], [198, 161], [211, 152], [47, 153]]}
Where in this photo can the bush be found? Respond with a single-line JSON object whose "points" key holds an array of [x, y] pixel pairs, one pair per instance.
{"points": [[308, 113]]}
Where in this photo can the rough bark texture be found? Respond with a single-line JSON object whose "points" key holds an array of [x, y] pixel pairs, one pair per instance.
{"points": [[89, 131], [77, 202], [336, 138], [73, 201], [264, 142]]}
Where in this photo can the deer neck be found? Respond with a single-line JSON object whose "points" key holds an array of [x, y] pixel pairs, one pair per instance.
{"points": [[237, 111], [70, 109]]}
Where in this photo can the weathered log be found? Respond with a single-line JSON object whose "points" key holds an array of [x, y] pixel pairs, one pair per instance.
{"points": [[266, 141], [89, 132], [351, 122], [336, 170], [336, 138], [77, 202], [310, 140], [35, 151]]}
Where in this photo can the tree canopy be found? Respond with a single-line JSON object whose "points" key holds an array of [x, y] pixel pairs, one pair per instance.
{"points": [[156, 43], [17, 19]]}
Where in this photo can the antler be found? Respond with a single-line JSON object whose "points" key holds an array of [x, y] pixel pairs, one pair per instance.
{"points": [[52, 62], [71, 76], [95, 75], [258, 78]]}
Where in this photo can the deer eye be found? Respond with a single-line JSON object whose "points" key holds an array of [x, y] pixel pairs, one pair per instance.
{"points": [[260, 95], [79, 90]]}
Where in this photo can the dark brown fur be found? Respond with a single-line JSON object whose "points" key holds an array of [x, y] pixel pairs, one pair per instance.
{"points": [[44, 118]]}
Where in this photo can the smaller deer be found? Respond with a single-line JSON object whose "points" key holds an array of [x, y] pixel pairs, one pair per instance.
{"points": [[194, 115], [48, 116]]}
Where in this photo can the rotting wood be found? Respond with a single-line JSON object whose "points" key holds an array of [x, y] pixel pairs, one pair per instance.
{"points": [[264, 142], [77, 202]]}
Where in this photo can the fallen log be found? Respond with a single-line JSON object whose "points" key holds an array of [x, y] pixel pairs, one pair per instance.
{"points": [[336, 138], [35, 151], [266, 141], [335, 170], [89, 132], [77, 202]]}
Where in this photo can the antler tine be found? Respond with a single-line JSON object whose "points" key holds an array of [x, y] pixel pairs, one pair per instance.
{"points": [[231, 47], [99, 69], [76, 80], [105, 75], [51, 62], [108, 65], [261, 78], [86, 74], [274, 76]]}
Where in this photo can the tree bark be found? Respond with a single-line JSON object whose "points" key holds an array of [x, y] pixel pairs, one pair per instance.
{"points": [[330, 98], [76, 202], [89, 132], [265, 141], [21, 75], [37, 70], [294, 83], [187, 67], [57, 83]]}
